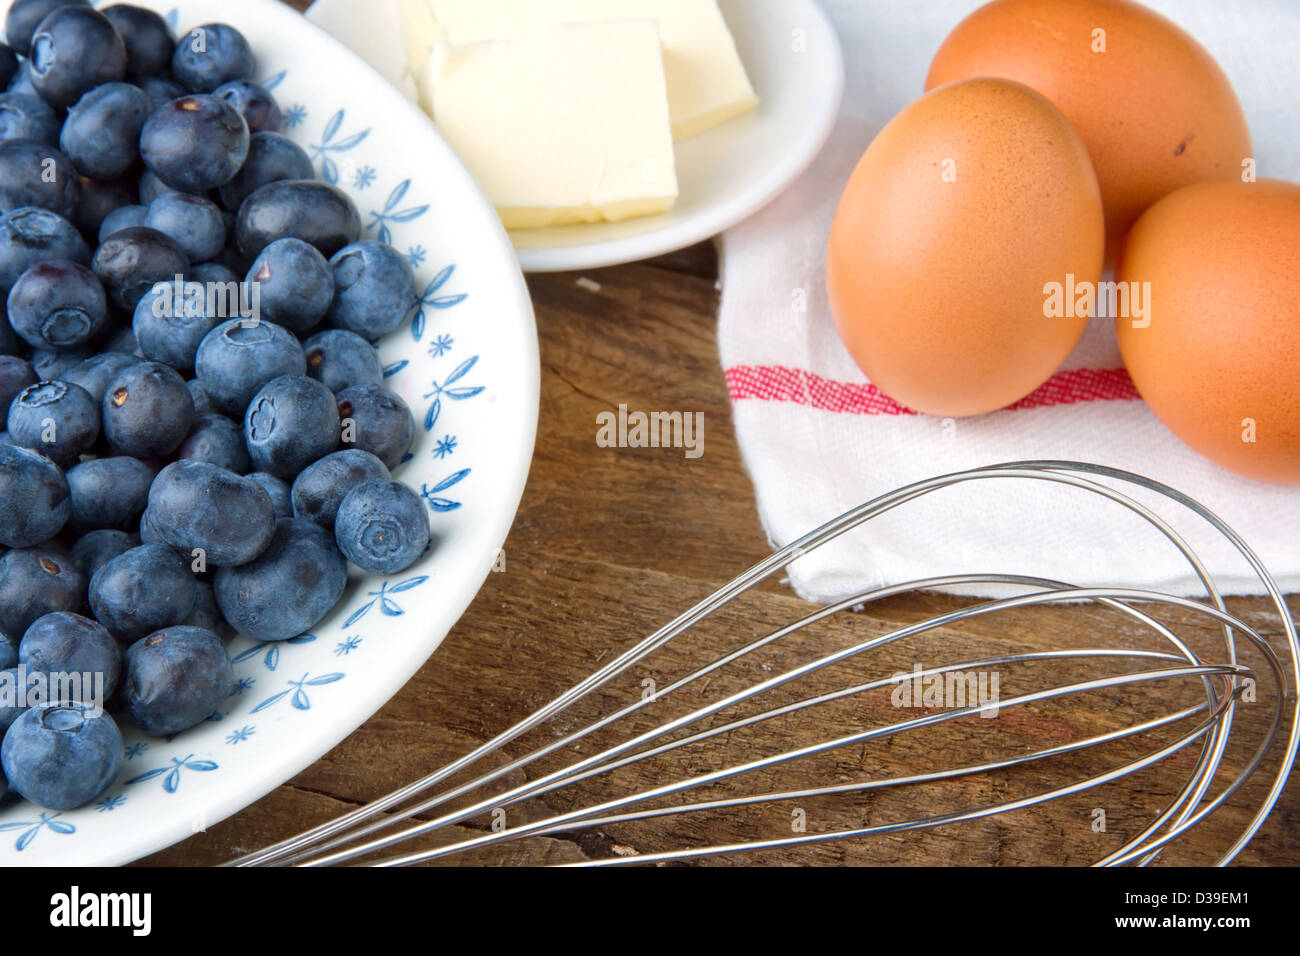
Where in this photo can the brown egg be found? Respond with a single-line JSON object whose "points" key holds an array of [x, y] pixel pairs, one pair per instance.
{"points": [[1154, 109], [965, 207], [1217, 356]]}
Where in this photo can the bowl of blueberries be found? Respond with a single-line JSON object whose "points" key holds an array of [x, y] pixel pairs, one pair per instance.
{"points": [[268, 394]]}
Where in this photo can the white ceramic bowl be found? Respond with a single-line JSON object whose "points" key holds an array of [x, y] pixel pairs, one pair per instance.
{"points": [[725, 175], [468, 367]]}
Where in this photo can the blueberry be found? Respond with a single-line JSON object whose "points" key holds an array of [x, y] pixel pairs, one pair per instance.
{"points": [[97, 372], [148, 531], [35, 582], [95, 549], [102, 132], [218, 441], [339, 359], [34, 499], [15, 375], [169, 327], [8, 65], [214, 272], [271, 158], [62, 756], [50, 366], [21, 84], [58, 420], [11, 346], [10, 343], [206, 614], [302, 561], [278, 491], [176, 678], [151, 187], [8, 652], [132, 261], [377, 421], [142, 590], [233, 259], [147, 410], [58, 305], [293, 284], [160, 89], [374, 289], [109, 493], [33, 174], [292, 422], [74, 50], [237, 358], [195, 143], [320, 488], [11, 707], [194, 505], [31, 235], [121, 218], [202, 403], [123, 340], [255, 104], [25, 15], [100, 199], [28, 117], [64, 643], [211, 55], [313, 212], [149, 41], [381, 526], [196, 224]]}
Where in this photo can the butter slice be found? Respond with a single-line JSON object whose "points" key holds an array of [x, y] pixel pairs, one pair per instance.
{"points": [[564, 125], [707, 83], [420, 34]]}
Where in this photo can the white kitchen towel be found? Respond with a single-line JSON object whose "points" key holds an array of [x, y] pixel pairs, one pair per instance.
{"points": [[818, 439]]}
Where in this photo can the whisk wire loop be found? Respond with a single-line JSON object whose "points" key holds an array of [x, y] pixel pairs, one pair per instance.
{"points": [[361, 833]]}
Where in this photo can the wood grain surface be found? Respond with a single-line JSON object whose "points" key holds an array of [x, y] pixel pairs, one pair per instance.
{"points": [[610, 544]]}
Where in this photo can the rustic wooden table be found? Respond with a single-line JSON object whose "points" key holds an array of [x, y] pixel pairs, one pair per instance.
{"points": [[609, 544]]}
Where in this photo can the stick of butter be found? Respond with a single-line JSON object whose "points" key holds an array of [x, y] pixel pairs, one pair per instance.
{"points": [[420, 33], [564, 125], [706, 80]]}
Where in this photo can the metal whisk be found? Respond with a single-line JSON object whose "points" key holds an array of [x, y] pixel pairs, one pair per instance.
{"points": [[425, 808]]}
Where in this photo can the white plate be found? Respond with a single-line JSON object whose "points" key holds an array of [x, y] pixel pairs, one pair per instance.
{"points": [[468, 367], [793, 57]]}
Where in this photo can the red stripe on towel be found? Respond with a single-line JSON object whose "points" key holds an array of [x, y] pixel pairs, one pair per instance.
{"points": [[775, 383]]}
